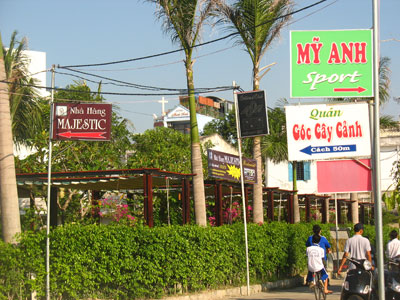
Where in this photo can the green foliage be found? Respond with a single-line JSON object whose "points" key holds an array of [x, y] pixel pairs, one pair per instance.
{"points": [[122, 262], [225, 127], [161, 148], [25, 110], [274, 145]]}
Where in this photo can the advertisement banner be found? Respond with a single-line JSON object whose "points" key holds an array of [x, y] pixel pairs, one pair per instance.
{"points": [[331, 63], [227, 166], [77, 121], [326, 131]]}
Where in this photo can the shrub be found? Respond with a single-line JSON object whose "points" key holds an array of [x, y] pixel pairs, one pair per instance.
{"points": [[125, 262]]}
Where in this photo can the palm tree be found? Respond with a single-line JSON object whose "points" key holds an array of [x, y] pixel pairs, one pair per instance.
{"points": [[258, 22], [8, 185], [26, 113], [183, 20]]}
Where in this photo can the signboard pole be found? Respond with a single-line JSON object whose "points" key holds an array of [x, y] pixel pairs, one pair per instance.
{"points": [[376, 161], [242, 187], [49, 187], [337, 234]]}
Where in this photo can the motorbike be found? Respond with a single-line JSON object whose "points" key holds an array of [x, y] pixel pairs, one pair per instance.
{"points": [[392, 279], [359, 283]]}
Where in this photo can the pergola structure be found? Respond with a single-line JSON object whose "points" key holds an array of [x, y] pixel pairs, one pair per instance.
{"points": [[144, 180]]}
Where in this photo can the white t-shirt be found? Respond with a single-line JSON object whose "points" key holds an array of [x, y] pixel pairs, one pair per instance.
{"points": [[357, 246], [315, 256], [393, 248]]}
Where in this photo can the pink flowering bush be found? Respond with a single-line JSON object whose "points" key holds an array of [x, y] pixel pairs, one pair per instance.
{"points": [[118, 213], [230, 214]]}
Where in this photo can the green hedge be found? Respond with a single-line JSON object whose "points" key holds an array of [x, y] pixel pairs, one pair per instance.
{"points": [[121, 262]]}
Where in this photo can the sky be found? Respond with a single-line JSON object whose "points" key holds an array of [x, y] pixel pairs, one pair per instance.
{"points": [[86, 32]]}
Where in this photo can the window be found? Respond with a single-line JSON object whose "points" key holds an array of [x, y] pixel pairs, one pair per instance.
{"points": [[303, 170]]}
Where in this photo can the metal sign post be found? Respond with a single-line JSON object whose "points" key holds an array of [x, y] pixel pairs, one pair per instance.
{"points": [[49, 188], [336, 231], [242, 187], [376, 160]]}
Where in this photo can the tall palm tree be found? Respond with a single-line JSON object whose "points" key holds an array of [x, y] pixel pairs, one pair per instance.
{"points": [[8, 185], [258, 23], [183, 20], [25, 110]]}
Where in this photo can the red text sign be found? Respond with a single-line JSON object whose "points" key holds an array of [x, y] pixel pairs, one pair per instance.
{"points": [[76, 121]]}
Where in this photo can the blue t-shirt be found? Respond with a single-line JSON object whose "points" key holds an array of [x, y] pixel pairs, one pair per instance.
{"points": [[323, 243]]}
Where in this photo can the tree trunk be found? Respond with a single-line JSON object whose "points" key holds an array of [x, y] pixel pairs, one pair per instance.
{"points": [[354, 208], [258, 211], [10, 217], [296, 208], [197, 165]]}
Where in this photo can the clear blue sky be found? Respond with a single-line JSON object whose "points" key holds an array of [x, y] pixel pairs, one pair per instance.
{"points": [[79, 32]]}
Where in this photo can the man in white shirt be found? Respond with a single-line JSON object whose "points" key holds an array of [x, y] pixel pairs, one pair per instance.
{"points": [[393, 247], [315, 255], [357, 247]]}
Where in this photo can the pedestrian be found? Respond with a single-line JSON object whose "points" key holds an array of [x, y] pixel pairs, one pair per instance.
{"points": [[323, 243], [357, 247], [393, 246], [315, 257]]}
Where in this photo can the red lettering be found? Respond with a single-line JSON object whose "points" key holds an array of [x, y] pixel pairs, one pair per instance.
{"points": [[296, 132], [360, 52], [316, 48], [334, 55], [303, 55], [318, 131], [301, 133], [347, 51]]}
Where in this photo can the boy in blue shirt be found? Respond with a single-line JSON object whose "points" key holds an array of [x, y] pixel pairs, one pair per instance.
{"points": [[315, 256], [323, 243]]}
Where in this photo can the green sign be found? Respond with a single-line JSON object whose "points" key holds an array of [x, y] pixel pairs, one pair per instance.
{"points": [[331, 63]]}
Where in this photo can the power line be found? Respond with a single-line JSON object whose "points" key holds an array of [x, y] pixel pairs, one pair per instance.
{"points": [[157, 66], [139, 86], [312, 13], [216, 90], [195, 46], [2, 91]]}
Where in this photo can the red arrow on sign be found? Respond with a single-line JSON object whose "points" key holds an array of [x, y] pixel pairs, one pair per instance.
{"points": [[357, 89], [94, 135]]}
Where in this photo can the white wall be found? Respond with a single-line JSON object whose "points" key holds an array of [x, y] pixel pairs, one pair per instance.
{"points": [[278, 176], [37, 63]]}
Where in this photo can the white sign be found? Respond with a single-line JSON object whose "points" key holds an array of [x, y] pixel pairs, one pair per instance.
{"points": [[324, 131]]}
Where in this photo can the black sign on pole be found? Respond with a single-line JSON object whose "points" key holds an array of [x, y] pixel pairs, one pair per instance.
{"points": [[253, 116]]}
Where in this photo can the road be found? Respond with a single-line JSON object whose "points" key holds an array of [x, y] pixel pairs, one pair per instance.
{"points": [[299, 293]]}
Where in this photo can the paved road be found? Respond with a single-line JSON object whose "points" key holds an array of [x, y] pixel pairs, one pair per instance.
{"points": [[299, 293]]}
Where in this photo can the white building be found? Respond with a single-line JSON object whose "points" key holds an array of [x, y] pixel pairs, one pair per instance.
{"points": [[179, 119], [37, 68], [207, 108]]}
